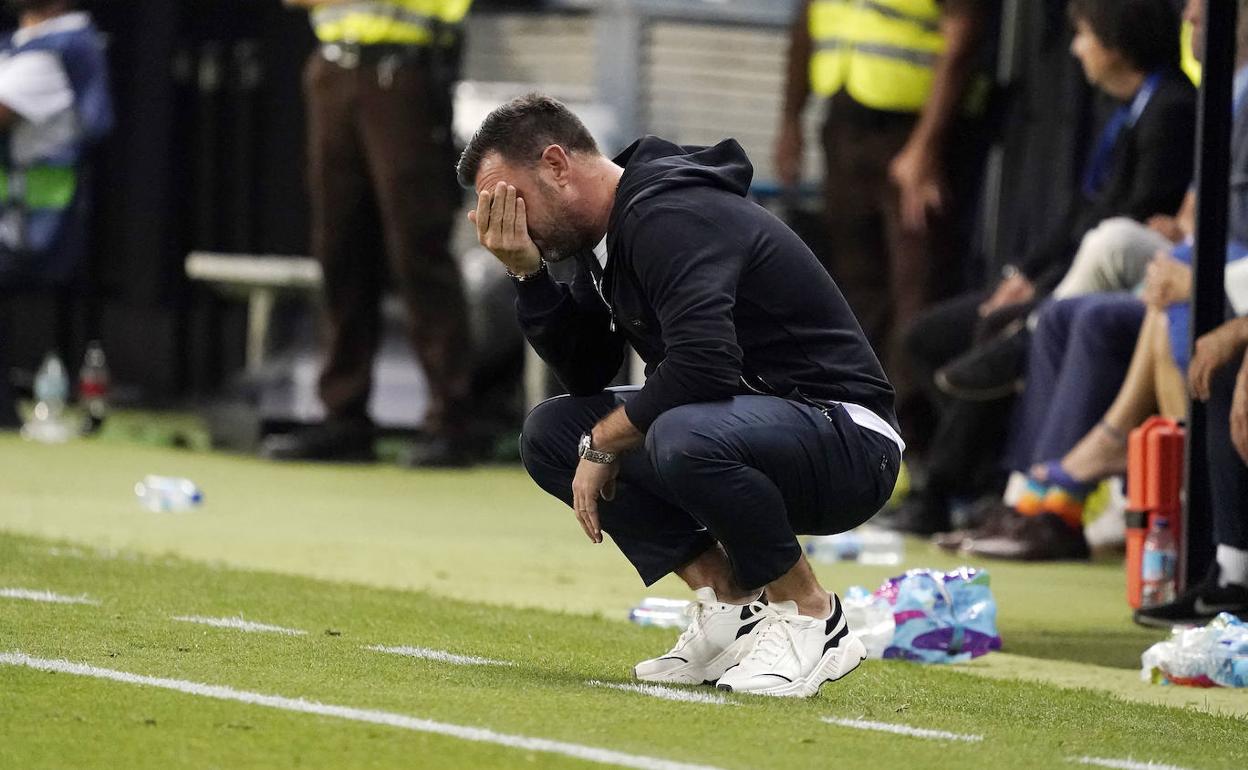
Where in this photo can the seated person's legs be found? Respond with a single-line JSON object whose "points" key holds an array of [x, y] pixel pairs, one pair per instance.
{"points": [[1111, 257], [1225, 589]]}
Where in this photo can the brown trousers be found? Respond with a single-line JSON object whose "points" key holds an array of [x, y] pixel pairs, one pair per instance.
{"points": [[381, 162], [887, 274]]}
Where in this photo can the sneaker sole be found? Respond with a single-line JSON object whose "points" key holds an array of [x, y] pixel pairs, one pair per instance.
{"points": [[829, 669], [691, 673]]}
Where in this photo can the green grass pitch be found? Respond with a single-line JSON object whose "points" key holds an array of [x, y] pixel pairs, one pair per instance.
{"points": [[480, 563]]}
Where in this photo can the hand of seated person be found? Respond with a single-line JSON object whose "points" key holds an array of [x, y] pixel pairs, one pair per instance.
{"points": [[1239, 412], [1167, 281], [1014, 289], [1167, 227], [1215, 350]]}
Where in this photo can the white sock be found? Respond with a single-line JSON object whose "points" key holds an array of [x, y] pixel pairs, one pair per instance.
{"points": [[1232, 565]]}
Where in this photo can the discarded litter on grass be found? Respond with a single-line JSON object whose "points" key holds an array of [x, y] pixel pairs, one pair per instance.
{"points": [[927, 616], [1215, 655]]}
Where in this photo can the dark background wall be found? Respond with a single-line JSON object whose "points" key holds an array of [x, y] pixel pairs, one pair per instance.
{"points": [[208, 154]]}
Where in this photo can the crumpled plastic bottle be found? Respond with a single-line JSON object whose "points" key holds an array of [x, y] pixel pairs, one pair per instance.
{"points": [[871, 618], [1215, 655]]}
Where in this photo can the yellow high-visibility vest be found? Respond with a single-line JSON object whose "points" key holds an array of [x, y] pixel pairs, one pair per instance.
{"points": [[881, 52], [400, 22]]}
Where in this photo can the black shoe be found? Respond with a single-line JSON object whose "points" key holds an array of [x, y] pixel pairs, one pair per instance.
{"points": [[989, 371], [990, 520], [331, 443], [437, 452], [919, 514], [1198, 605], [1045, 537]]}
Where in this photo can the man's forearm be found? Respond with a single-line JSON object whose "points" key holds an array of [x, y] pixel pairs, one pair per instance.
{"points": [[953, 70], [616, 433]]}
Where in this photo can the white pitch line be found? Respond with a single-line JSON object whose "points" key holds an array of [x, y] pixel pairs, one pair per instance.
{"points": [[1125, 764], [914, 732], [666, 693], [402, 721], [44, 596], [240, 624], [439, 655]]}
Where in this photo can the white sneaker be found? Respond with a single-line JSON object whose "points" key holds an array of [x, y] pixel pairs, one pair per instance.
{"points": [[793, 655], [711, 643]]}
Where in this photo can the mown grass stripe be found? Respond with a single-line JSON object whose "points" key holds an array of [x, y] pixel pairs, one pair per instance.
{"points": [[913, 732], [1125, 764], [44, 596], [389, 719], [239, 624], [441, 656], [666, 693]]}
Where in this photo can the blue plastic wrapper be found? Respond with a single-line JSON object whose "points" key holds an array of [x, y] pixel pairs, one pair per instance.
{"points": [[941, 617], [1215, 655]]}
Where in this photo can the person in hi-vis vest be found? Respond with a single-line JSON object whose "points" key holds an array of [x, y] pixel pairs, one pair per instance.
{"points": [[381, 181], [899, 76]]}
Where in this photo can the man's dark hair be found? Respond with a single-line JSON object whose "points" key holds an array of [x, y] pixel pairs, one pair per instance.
{"points": [[520, 130], [1146, 32]]}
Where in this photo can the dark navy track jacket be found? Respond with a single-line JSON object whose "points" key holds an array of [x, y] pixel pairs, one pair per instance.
{"points": [[716, 295]]}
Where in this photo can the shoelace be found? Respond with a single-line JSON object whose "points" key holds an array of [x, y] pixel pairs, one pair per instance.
{"points": [[694, 611], [772, 637]]}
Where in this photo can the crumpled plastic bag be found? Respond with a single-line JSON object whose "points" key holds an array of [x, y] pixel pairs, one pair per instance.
{"points": [[1215, 655], [927, 616]]}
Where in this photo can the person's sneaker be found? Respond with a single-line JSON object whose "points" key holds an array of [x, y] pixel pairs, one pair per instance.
{"points": [[1046, 537], [331, 442], [792, 655], [1198, 605], [708, 646], [995, 520]]}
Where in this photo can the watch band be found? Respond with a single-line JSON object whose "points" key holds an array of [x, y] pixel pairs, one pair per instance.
{"points": [[585, 450], [541, 268]]}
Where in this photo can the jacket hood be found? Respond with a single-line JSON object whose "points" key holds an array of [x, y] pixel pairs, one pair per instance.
{"points": [[653, 165]]}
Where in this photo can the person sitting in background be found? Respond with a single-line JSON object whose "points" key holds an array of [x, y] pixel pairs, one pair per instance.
{"points": [[1066, 434], [1063, 440], [1213, 378], [1140, 167], [54, 105]]}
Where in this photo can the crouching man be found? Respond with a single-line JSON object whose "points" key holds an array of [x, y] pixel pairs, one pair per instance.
{"points": [[765, 413]]}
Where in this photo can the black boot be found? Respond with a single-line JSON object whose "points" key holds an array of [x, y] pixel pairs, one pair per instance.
{"points": [[342, 442]]}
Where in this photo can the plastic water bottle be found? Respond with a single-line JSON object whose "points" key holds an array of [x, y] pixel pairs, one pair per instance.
{"points": [[663, 613], [1160, 563], [168, 494], [93, 388], [866, 545], [47, 421]]}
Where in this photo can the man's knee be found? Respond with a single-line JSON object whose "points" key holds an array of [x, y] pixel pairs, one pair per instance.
{"points": [[546, 431]]}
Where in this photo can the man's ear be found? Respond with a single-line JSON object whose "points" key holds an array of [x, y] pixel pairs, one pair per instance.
{"points": [[555, 161]]}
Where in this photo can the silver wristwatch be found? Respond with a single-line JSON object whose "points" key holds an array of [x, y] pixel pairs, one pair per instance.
{"points": [[585, 450]]}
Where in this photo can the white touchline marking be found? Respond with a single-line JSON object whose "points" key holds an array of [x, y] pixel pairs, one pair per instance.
{"points": [[439, 655], [914, 732], [666, 693], [240, 624], [1124, 764], [44, 596], [402, 721]]}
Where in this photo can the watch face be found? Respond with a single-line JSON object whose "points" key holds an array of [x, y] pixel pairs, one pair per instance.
{"points": [[583, 446]]}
